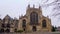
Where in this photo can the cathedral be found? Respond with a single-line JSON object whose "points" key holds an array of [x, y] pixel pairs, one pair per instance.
{"points": [[32, 21]]}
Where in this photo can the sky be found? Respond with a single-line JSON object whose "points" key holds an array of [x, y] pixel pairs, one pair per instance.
{"points": [[16, 8]]}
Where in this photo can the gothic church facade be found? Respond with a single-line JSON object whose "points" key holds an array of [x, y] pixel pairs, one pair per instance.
{"points": [[34, 20]]}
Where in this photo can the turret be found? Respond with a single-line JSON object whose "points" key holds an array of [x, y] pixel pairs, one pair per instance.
{"points": [[33, 6], [39, 7], [29, 6]]}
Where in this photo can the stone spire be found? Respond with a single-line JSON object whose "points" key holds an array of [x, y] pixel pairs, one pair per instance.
{"points": [[29, 6], [33, 6], [47, 16], [39, 7]]}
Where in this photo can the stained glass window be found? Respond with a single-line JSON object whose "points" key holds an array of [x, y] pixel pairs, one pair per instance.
{"points": [[33, 18]]}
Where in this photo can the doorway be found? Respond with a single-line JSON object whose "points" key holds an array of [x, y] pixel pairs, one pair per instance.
{"points": [[34, 28], [7, 30]]}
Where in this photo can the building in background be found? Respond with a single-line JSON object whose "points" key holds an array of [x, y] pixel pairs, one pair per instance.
{"points": [[8, 24], [58, 29]]}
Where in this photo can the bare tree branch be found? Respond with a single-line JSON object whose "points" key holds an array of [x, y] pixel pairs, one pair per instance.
{"points": [[46, 1]]}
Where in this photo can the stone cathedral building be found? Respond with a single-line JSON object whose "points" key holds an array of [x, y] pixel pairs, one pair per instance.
{"points": [[32, 21]]}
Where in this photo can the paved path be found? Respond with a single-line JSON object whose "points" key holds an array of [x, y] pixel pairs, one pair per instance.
{"points": [[35, 33]]}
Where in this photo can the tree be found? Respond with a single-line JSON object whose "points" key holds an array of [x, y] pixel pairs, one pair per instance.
{"points": [[54, 29], [56, 8]]}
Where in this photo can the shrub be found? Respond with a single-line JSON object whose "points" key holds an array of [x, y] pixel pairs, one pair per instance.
{"points": [[54, 29], [20, 31]]}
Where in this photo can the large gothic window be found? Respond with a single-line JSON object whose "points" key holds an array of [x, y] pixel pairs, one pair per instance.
{"points": [[44, 23], [24, 23], [33, 18]]}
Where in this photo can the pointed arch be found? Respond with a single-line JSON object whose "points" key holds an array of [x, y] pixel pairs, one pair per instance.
{"points": [[34, 18], [44, 23], [23, 23]]}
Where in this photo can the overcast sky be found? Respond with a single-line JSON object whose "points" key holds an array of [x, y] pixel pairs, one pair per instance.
{"points": [[16, 8]]}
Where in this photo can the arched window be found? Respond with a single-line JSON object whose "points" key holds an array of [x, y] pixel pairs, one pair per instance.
{"points": [[33, 18], [44, 23], [24, 23]]}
